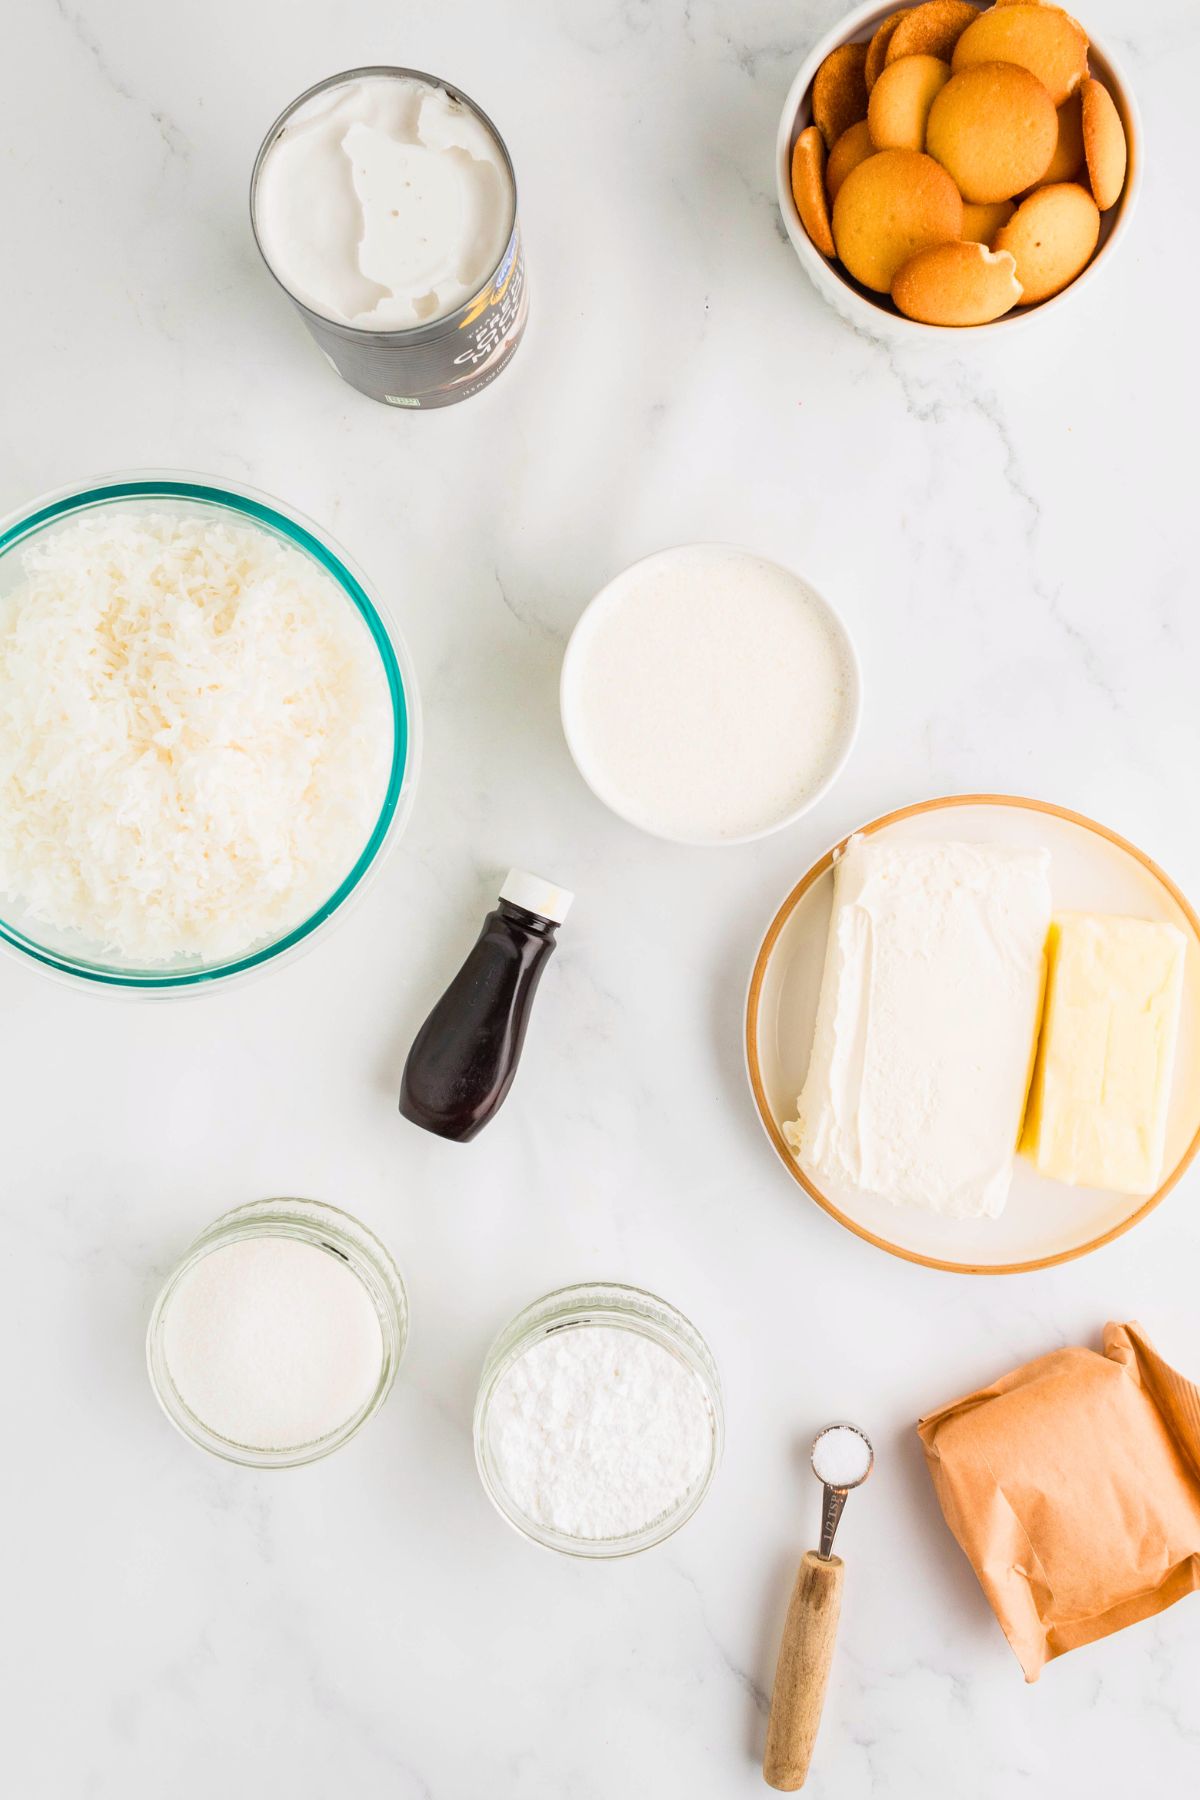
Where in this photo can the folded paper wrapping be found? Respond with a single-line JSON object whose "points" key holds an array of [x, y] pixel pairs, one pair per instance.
{"points": [[1073, 1485]]}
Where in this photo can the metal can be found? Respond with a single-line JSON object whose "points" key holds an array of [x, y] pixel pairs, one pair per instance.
{"points": [[450, 358]]}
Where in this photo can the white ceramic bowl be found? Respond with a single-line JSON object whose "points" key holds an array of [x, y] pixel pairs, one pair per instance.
{"points": [[874, 313], [334, 1233], [596, 777]]}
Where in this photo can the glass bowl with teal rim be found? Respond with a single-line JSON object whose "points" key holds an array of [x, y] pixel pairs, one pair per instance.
{"points": [[69, 955]]}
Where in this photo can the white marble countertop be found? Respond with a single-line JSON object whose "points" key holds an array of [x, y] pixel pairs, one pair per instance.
{"points": [[1010, 536]]}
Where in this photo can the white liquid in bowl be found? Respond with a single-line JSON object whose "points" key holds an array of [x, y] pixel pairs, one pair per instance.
{"points": [[709, 695]]}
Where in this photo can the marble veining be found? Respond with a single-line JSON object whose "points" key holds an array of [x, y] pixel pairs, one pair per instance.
{"points": [[1008, 531]]}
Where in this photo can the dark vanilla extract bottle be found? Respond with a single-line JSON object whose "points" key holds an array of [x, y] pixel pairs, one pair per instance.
{"points": [[465, 1055]]}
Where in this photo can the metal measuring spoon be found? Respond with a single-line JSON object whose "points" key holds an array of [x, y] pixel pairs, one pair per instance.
{"points": [[842, 1458]]}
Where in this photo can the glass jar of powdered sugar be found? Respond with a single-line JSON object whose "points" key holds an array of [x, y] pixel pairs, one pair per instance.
{"points": [[599, 1421], [278, 1334]]}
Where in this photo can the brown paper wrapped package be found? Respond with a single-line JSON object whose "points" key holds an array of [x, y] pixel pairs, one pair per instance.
{"points": [[1073, 1485]]}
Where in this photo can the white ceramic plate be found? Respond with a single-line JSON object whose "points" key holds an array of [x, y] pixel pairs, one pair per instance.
{"points": [[1044, 1222]]}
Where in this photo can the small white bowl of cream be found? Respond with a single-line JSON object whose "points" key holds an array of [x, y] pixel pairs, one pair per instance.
{"points": [[599, 1422], [710, 696], [278, 1334]]}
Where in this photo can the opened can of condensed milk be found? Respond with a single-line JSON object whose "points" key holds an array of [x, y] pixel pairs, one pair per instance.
{"points": [[384, 203]]}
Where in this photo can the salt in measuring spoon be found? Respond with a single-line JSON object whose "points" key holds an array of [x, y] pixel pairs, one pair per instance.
{"points": [[842, 1458]]}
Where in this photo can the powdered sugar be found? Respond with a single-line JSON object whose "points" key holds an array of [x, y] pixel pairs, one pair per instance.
{"points": [[597, 1432]]}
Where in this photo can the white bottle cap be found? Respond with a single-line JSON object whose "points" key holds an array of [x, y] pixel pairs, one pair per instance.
{"points": [[537, 896]]}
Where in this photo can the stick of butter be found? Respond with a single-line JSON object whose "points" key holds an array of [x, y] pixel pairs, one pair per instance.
{"points": [[1102, 1083], [926, 1023]]}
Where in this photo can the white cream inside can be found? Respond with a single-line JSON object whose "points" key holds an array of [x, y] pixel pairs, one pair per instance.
{"points": [[384, 203]]}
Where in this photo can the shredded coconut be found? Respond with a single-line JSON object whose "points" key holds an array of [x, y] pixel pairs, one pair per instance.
{"points": [[195, 734], [597, 1432]]}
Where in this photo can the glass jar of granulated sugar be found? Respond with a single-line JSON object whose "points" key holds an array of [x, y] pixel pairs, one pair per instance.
{"points": [[599, 1421], [278, 1334]]}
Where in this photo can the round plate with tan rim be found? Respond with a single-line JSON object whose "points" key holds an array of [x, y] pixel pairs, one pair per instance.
{"points": [[1045, 1222]]}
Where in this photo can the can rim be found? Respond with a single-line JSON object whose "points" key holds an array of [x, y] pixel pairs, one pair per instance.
{"points": [[413, 334]]}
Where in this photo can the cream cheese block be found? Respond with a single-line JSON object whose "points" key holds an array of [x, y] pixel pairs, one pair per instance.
{"points": [[926, 1023], [1102, 1085]]}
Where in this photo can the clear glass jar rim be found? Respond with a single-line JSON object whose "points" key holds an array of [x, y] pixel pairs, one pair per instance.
{"points": [[413, 334], [624, 1307]]}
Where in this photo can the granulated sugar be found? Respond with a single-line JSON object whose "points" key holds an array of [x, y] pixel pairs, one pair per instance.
{"points": [[272, 1343], [596, 1432], [709, 694]]}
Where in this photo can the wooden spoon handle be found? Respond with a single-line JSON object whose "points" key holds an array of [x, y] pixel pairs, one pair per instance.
{"points": [[802, 1671]]}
